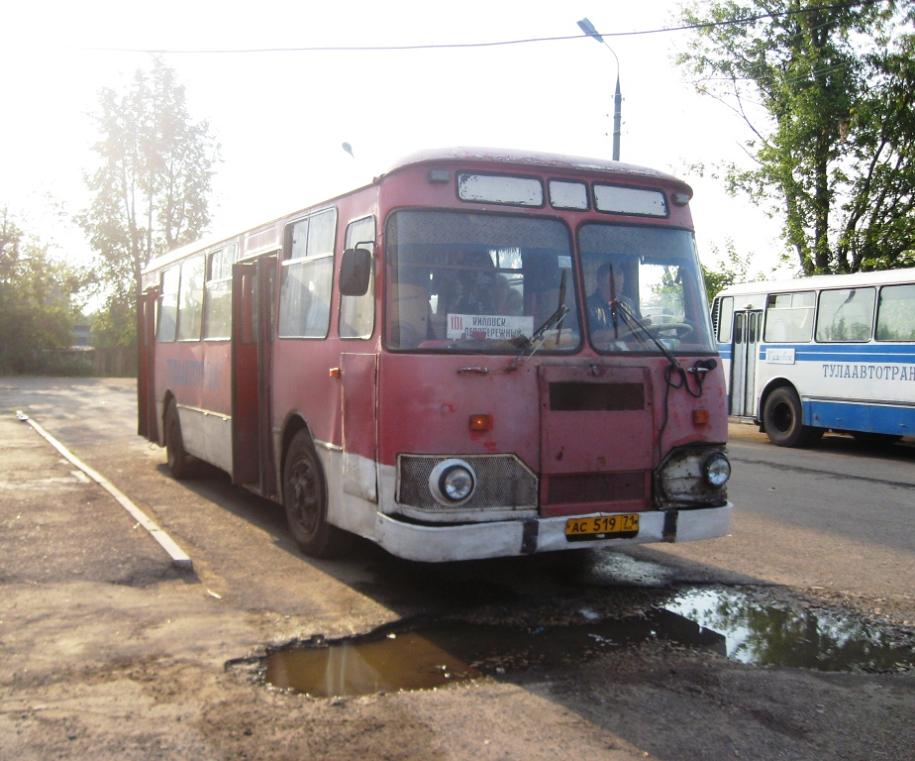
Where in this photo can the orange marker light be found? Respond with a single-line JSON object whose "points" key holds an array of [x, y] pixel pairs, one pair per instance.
{"points": [[334, 372], [481, 422], [700, 417]]}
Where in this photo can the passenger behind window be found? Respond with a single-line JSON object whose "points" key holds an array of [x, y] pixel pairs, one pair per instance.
{"points": [[473, 290], [507, 300]]}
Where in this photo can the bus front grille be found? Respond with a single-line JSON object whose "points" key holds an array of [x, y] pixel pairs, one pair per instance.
{"points": [[577, 396], [596, 487]]}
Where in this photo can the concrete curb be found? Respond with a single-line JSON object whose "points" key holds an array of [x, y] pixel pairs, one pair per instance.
{"points": [[179, 557]]}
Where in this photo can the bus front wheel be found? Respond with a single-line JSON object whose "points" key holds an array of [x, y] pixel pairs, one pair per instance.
{"points": [[305, 501], [783, 420], [179, 461]]}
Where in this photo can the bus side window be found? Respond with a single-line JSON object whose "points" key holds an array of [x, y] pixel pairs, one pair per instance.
{"points": [[248, 309], [168, 305], [308, 271], [789, 316], [725, 319], [845, 315], [896, 317], [217, 321], [357, 313], [190, 299]]}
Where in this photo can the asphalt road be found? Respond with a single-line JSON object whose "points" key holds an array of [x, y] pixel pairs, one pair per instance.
{"points": [[835, 520], [109, 652]]}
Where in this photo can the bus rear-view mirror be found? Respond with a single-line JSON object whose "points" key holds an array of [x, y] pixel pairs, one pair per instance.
{"points": [[355, 271]]}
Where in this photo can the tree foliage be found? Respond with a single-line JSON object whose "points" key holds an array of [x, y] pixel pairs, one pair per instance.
{"points": [[37, 306], [824, 87], [729, 269], [150, 189]]}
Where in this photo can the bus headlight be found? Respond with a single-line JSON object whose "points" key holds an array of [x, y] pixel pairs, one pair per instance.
{"points": [[717, 470], [452, 482], [692, 475]]}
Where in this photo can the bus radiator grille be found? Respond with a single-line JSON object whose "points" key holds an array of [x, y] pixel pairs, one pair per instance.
{"points": [[596, 487]]}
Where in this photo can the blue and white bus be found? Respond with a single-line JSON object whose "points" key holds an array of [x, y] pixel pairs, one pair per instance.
{"points": [[830, 352]]}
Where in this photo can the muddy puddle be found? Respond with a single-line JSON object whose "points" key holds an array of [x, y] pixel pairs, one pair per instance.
{"points": [[727, 622]]}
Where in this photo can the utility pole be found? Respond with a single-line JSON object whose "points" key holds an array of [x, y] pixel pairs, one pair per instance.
{"points": [[588, 28]]}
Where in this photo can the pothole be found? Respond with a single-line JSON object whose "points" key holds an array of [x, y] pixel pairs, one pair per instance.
{"points": [[766, 634], [733, 624]]}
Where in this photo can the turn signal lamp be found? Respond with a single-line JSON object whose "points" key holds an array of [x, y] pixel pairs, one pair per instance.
{"points": [[700, 417], [481, 423]]}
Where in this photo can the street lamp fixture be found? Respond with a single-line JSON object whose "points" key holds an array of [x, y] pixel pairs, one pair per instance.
{"points": [[588, 28]]}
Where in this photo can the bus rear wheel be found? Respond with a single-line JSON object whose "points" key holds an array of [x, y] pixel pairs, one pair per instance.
{"points": [[783, 420], [305, 501], [179, 461]]}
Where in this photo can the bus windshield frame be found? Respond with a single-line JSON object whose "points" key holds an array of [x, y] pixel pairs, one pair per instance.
{"points": [[642, 279], [477, 282]]}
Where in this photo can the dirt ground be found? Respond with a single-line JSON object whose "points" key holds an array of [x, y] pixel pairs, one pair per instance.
{"points": [[109, 652]]}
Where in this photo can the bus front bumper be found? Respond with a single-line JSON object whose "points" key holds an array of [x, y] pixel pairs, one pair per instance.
{"points": [[435, 544]]}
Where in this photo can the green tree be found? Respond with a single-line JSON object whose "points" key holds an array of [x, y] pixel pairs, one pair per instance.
{"points": [[37, 303], [833, 143], [729, 268], [150, 189]]}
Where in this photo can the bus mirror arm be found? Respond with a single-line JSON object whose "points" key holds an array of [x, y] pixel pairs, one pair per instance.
{"points": [[355, 271]]}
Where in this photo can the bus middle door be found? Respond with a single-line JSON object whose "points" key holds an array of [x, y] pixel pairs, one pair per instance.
{"points": [[747, 330], [252, 297]]}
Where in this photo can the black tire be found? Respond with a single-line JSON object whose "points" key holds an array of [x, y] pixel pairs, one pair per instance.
{"points": [[305, 501], [180, 463], [783, 420]]}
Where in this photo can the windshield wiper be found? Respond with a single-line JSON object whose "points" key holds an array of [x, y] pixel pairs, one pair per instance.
{"points": [[531, 346], [629, 317]]}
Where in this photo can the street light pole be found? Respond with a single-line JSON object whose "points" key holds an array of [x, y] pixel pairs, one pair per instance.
{"points": [[588, 28]]}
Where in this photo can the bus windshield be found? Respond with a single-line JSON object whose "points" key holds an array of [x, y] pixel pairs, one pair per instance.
{"points": [[642, 280], [471, 282]]}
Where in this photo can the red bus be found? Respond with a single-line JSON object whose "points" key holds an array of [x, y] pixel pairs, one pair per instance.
{"points": [[480, 354]]}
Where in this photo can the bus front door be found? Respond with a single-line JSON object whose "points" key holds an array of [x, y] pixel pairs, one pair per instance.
{"points": [[252, 295], [747, 329]]}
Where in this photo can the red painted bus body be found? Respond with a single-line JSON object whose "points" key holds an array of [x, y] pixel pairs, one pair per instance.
{"points": [[423, 417]]}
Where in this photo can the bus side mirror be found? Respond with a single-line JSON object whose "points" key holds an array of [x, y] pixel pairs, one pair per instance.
{"points": [[355, 270]]}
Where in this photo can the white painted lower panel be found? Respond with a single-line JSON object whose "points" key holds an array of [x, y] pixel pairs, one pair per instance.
{"points": [[207, 436], [348, 511]]}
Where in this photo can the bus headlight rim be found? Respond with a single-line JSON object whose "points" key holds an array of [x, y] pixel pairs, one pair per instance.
{"points": [[452, 482], [717, 470]]}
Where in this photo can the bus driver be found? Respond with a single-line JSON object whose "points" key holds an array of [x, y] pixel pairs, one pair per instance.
{"points": [[611, 283]]}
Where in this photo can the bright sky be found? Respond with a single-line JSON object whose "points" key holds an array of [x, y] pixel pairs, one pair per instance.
{"points": [[281, 117]]}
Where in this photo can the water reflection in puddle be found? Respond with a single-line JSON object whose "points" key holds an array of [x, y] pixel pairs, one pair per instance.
{"points": [[723, 621], [769, 635]]}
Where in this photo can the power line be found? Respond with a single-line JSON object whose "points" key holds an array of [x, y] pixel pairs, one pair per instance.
{"points": [[492, 44]]}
